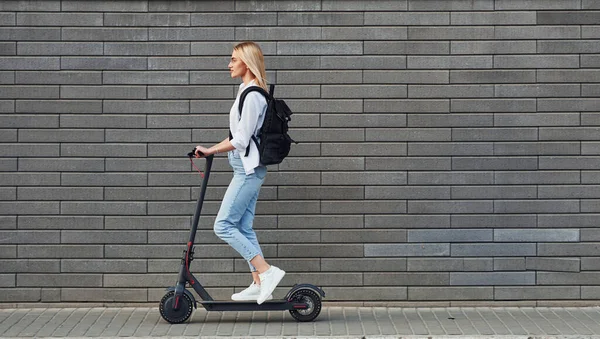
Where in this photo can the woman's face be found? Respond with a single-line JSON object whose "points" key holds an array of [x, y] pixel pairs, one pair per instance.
{"points": [[237, 68]]}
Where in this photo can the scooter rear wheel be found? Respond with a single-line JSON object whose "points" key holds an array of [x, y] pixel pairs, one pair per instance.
{"points": [[314, 305], [186, 306]]}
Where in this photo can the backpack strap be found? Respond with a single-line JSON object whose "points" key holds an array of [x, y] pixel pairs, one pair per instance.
{"points": [[241, 105]]}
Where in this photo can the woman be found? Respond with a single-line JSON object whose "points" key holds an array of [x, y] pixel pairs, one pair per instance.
{"points": [[234, 220]]}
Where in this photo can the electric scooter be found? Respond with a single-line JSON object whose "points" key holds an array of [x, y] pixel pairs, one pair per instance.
{"points": [[303, 301]]}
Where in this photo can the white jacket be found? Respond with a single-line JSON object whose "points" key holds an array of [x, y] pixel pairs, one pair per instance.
{"points": [[252, 117]]}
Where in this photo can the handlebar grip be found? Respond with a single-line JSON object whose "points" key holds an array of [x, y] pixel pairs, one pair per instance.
{"points": [[193, 153]]}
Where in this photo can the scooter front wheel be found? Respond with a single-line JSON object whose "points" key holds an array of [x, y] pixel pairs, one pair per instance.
{"points": [[313, 301], [186, 306]]}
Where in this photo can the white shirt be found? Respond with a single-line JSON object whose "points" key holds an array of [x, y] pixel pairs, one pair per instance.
{"points": [[253, 115]]}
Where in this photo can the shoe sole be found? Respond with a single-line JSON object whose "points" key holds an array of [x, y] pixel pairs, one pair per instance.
{"points": [[277, 281], [255, 299]]}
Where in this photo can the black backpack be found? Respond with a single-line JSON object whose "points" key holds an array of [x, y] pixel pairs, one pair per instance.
{"points": [[275, 142]]}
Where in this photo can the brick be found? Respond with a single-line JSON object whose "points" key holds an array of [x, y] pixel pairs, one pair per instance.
{"points": [[353, 5], [30, 237], [191, 6], [455, 206], [149, 223], [317, 251], [103, 92], [60, 222], [363, 62], [434, 264], [453, 178], [103, 295], [30, 92], [30, 266], [106, 208], [536, 148], [406, 279], [58, 280], [58, 48], [536, 206], [30, 34], [536, 61], [8, 208], [568, 162], [568, 18], [493, 105], [60, 251], [364, 206], [451, 33], [589, 4], [537, 32], [366, 293], [536, 119], [8, 251], [406, 19], [450, 293], [567, 250], [493, 18], [29, 63], [7, 19], [590, 206], [331, 135], [8, 48], [362, 236], [537, 293], [275, 33], [567, 105], [24, 120], [145, 107], [320, 193], [319, 77], [320, 48], [184, 63], [133, 135], [569, 191], [589, 292], [492, 278], [59, 19], [98, 6], [586, 264], [297, 19], [31, 150], [59, 106], [62, 135], [407, 106], [63, 165], [447, 62], [408, 76], [305, 5], [105, 179], [509, 264], [146, 78], [8, 193], [35, 6], [363, 265], [226, 48], [30, 179], [407, 221], [590, 90], [590, 148], [7, 280], [103, 150], [493, 47], [9, 222], [407, 250], [104, 63], [589, 177], [102, 266], [319, 221], [150, 48], [454, 235], [7, 78], [58, 77], [539, 5], [104, 34], [59, 193], [536, 177], [103, 237], [536, 235], [453, 5], [11, 163], [449, 120], [445, 149], [556, 278], [406, 47], [146, 194], [339, 149], [493, 76], [407, 163], [450, 91], [496, 134], [189, 92], [407, 192], [589, 32], [493, 250], [146, 19], [568, 47], [363, 120], [554, 264]]}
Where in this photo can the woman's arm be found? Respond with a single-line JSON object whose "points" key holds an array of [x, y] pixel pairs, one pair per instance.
{"points": [[223, 146]]}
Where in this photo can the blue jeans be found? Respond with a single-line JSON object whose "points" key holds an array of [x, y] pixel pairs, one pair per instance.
{"points": [[234, 220]]}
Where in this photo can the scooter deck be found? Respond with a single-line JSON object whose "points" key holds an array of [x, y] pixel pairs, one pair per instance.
{"points": [[270, 305]]}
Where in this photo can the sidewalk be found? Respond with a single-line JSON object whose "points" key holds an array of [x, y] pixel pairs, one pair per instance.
{"points": [[346, 322]]}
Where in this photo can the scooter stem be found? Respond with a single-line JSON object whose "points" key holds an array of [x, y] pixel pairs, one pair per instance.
{"points": [[209, 160]]}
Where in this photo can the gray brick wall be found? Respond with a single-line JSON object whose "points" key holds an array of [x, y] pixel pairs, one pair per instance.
{"points": [[449, 149]]}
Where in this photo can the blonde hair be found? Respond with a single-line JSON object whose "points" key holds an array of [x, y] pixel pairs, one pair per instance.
{"points": [[251, 54]]}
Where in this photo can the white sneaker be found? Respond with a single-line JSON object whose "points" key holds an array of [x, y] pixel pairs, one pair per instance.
{"points": [[251, 293], [268, 281]]}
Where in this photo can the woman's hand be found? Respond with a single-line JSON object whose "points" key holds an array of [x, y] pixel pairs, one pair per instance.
{"points": [[203, 151]]}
